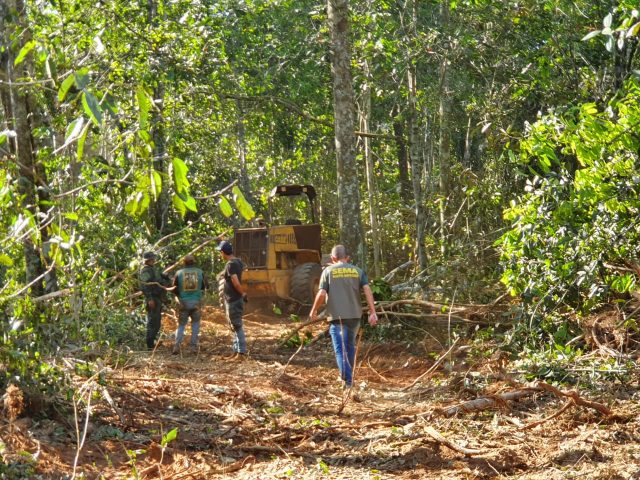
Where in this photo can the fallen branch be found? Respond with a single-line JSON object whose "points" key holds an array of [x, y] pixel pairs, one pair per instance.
{"points": [[302, 345], [442, 318], [433, 433], [573, 395], [434, 366], [297, 328], [484, 403], [550, 417], [391, 274], [234, 467]]}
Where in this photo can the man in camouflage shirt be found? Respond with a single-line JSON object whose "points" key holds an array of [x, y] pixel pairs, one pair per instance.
{"points": [[152, 285]]}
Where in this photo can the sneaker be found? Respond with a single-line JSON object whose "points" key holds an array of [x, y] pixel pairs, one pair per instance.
{"points": [[194, 348], [176, 350]]}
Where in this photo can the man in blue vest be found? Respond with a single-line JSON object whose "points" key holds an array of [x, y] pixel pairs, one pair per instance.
{"points": [[189, 286]]}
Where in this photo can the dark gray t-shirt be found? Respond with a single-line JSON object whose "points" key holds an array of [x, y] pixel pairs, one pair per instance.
{"points": [[342, 282]]}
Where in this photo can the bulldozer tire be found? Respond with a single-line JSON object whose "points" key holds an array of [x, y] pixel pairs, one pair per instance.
{"points": [[304, 282]]}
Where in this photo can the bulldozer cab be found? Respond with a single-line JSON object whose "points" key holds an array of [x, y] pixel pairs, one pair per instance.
{"points": [[282, 254], [292, 205]]}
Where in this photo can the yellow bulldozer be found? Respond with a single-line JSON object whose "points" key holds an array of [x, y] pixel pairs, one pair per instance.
{"points": [[282, 253]]}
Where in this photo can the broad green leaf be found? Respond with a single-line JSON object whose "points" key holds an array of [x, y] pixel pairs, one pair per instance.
{"points": [[180, 171], [144, 135], [243, 206], [156, 183], [633, 30], [65, 86], [81, 140], [73, 130], [81, 78], [170, 436], [24, 51], [607, 20], [179, 204], [590, 35], [609, 44], [190, 203], [145, 201], [144, 105], [225, 206], [6, 134], [92, 108], [132, 205], [6, 260], [71, 216]]}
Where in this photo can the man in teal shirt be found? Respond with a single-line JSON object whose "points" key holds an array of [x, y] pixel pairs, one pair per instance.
{"points": [[189, 286]]}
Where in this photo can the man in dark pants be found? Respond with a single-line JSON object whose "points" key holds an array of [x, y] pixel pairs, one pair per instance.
{"points": [[152, 285], [189, 284], [234, 298], [340, 286]]}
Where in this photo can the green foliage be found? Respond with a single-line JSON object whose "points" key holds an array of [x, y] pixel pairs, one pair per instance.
{"points": [[576, 227], [557, 363], [381, 290], [19, 466], [169, 437], [298, 339]]}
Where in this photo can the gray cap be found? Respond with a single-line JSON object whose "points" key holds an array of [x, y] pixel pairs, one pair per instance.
{"points": [[149, 256]]}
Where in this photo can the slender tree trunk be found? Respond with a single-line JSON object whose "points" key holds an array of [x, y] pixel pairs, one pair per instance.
{"points": [[157, 126], [371, 186], [160, 156], [415, 157], [350, 223], [466, 157], [417, 167], [245, 184], [403, 161], [444, 150]]}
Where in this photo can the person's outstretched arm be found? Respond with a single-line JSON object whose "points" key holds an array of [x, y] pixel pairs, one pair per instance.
{"points": [[373, 316], [321, 296]]}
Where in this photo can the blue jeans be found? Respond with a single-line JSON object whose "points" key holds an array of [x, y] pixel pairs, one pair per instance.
{"points": [[343, 335], [235, 310], [189, 310]]}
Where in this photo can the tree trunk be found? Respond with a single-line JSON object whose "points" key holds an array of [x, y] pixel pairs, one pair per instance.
{"points": [[32, 184], [403, 162], [344, 118], [371, 186], [416, 169], [444, 150], [417, 165], [157, 126], [245, 184]]}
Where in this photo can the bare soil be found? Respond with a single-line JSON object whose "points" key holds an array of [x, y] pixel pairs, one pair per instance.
{"points": [[263, 419]]}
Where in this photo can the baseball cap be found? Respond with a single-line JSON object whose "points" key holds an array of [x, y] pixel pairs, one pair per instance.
{"points": [[225, 247], [149, 255]]}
